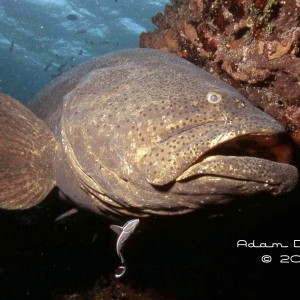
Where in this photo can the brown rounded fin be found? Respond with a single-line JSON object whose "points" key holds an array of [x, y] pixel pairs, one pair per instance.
{"points": [[26, 155]]}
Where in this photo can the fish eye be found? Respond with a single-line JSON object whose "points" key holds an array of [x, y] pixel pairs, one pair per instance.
{"points": [[213, 97]]}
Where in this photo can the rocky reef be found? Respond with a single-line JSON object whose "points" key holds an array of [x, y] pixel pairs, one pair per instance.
{"points": [[253, 45]]}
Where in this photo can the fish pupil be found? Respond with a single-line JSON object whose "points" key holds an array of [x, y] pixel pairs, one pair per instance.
{"points": [[214, 97]]}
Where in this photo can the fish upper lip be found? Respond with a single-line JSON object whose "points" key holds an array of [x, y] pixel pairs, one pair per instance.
{"points": [[184, 129]]}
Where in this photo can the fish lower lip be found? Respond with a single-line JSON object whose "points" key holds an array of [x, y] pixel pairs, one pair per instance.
{"points": [[240, 168]]}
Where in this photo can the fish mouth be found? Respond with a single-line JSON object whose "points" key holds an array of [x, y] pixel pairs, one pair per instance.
{"points": [[225, 157], [275, 147], [261, 158]]}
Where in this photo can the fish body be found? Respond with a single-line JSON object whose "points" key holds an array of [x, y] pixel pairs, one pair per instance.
{"points": [[62, 66], [72, 17], [12, 44], [124, 232], [47, 66], [141, 132]]}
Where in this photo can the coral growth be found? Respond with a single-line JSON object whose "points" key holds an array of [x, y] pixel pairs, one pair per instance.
{"points": [[253, 45]]}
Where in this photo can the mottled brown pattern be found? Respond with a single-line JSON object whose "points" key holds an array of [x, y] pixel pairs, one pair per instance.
{"points": [[136, 131], [135, 123], [26, 154]]}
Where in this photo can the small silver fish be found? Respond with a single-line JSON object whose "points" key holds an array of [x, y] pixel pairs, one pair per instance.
{"points": [[124, 233]]}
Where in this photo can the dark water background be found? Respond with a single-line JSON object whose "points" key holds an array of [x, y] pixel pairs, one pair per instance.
{"points": [[189, 257]]}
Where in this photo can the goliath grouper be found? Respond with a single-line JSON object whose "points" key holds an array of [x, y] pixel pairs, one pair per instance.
{"points": [[139, 133]]}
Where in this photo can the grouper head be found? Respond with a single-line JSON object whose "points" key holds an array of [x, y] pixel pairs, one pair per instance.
{"points": [[149, 133]]}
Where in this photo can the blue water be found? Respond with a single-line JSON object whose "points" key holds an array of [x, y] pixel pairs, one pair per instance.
{"points": [[39, 39]]}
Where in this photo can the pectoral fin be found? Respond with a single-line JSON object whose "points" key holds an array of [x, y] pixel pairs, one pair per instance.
{"points": [[26, 154], [67, 214], [117, 229]]}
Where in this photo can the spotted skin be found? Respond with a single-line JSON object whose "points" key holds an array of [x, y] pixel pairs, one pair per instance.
{"points": [[141, 132]]}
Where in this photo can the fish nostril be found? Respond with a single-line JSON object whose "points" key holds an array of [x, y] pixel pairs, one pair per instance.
{"points": [[240, 103]]}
